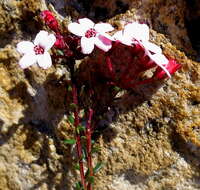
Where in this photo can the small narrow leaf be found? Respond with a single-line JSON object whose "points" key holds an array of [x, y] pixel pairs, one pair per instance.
{"points": [[71, 119], [76, 167], [91, 179], [84, 153], [70, 141], [73, 106], [60, 52], [98, 166], [80, 128], [116, 88], [78, 186], [83, 137], [95, 149]]}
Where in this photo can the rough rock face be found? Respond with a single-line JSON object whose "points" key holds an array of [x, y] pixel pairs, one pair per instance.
{"points": [[152, 135]]}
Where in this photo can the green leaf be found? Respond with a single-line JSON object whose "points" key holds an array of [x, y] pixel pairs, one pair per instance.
{"points": [[71, 119], [73, 106], [60, 52], [78, 186], [80, 128], [84, 153], [116, 88], [95, 149], [91, 179], [70, 141], [98, 166], [83, 137], [76, 167]]}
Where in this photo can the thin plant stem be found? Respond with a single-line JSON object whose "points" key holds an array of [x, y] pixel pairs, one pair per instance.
{"points": [[78, 137], [89, 147]]}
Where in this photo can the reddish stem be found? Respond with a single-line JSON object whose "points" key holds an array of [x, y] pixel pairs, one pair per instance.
{"points": [[110, 67], [89, 147], [78, 137]]}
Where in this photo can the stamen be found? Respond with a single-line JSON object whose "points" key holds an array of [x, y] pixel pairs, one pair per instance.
{"points": [[38, 50], [90, 33]]}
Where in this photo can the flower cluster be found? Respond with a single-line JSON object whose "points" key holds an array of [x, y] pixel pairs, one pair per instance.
{"points": [[134, 35], [86, 35]]}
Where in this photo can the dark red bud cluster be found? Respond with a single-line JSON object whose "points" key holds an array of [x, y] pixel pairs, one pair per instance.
{"points": [[50, 20], [60, 42], [69, 44], [126, 70]]}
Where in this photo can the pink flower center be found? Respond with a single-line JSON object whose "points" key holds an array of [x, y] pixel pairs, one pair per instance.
{"points": [[90, 33], [38, 50]]}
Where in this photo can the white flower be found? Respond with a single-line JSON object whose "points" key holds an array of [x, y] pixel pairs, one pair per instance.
{"points": [[134, 33], [36, 52], [92, 34]]}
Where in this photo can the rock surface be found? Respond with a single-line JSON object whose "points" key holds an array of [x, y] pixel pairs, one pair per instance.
{"points": [[152, 141]]}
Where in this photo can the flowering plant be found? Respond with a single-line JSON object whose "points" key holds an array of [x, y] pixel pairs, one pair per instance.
{"points": [[137, 55]]}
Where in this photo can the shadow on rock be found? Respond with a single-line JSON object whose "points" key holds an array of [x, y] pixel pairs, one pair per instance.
{"points": [[188, 151], [109, 102], [45, 106], [134, 178]]}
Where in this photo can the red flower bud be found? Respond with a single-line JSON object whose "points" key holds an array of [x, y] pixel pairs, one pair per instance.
{"points": [[50, 20], [60, 43], [123, 66]]}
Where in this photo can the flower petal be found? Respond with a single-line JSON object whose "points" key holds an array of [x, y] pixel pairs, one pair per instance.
{"points": [[118, 35], [137, 31], [44, 60], [41, 37], [107, 36], [50, 42], [122, 38], [145, 32], [87, 45], [86, 23], [103, 43], [27, 60], [103, 27], [76, 29], [25, 47], [152, 47], [161, 61], [44, 40]]}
